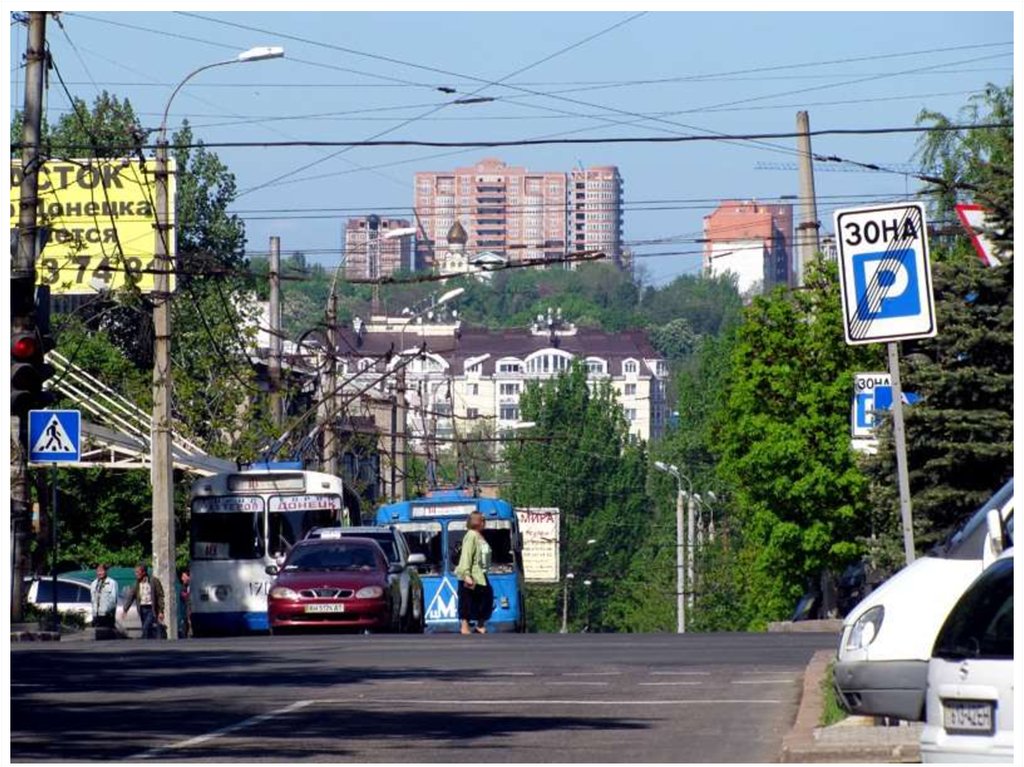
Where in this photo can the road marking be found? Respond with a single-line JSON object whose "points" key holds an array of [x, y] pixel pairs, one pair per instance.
{"points": [[668, 684], [507, 673], [763, 681], [199, 739], [680, 673], [592, 673], [556, 702], [591, 684]]}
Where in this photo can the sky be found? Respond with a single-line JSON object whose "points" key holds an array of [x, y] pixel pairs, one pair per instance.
{"points": [[724, 73]]}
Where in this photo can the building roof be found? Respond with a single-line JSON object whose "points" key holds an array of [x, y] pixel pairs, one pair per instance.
{"points": [[472, 342], [457, 234]]}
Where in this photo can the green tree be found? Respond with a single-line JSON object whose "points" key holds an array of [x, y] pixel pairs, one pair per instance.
{"points": [[783, 438], [580, 458], [974, 163]]}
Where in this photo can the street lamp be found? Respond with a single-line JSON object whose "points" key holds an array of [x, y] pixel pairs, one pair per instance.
{"points": [[680, 557], [565, 603], [162, 467]]}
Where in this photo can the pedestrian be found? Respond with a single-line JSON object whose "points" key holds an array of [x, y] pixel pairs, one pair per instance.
{"points": [[104, 599], [148, 595], [476, 597], [185, 609]]}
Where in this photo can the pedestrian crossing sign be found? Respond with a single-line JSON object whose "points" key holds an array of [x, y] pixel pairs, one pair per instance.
{"points": [[54, 436]]}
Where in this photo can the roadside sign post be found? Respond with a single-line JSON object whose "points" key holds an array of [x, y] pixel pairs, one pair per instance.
{"points": [[886, 292], [54, 437]]}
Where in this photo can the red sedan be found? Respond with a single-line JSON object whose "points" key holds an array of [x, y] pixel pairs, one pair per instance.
{"points": [[340, 583]]}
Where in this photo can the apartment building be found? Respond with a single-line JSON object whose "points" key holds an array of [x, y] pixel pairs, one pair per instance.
{"points": [[377, 247], [753, 241], [470, 376], [517, 213]]}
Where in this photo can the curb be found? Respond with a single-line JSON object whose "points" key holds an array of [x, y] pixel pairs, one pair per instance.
{"points": [[802, 744], [35, 636]]}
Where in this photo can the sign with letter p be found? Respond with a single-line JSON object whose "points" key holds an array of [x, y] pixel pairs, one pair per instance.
{"points": [[885, 274]]}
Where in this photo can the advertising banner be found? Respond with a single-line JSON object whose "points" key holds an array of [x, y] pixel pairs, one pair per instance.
{"points": [[540, 532]]}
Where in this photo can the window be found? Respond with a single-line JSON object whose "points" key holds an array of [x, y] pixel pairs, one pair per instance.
{"points": [[629, 367], [630, 390], [234, 535], [472, 412], [509, 413], [596, 367], [473, 389], [981, 623], [66, 592], [509, 389], [365, 365], [497, 533], [473, 368], [510, 367], [424, 538], [631, 415]]}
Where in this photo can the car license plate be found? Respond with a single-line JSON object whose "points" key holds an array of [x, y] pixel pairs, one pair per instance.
{"points": [[329, 608], [967, 717]]}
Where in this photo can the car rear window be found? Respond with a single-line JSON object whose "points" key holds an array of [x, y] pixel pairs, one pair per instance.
{"points": [[981, 623], [333, 556]]}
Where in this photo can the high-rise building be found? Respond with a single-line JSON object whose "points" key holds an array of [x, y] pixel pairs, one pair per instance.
{"points": [[370, 254], [595, 210], [517, 213], [751, 240]]}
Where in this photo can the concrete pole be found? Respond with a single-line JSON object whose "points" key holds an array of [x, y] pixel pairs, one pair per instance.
{"points": [[327, 387], [899, 437], [24, 266], [162, 470], [399, 455], [807, 242], [276, 402], [680, 559]]}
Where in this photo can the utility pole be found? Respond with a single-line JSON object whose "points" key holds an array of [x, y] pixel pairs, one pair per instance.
{"points": [[690, 552], [276, 404], [327, 391], [23, 274], [680, 558], [807, 231], [565, 603], [162, 468]]}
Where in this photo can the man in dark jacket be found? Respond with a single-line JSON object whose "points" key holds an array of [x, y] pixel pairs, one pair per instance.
{"points": [[148, 595]]}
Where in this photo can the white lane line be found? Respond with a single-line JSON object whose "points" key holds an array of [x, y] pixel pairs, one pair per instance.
{"points": [[400, 681], [199, 739], [669, 684], [779, 672], [476, 681], [507, 673], [578, 684], [556, 702], [680, 673], [592, 673], [763, 681]]}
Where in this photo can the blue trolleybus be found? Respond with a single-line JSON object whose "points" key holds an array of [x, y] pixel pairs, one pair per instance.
{"points": [[434, 526]]}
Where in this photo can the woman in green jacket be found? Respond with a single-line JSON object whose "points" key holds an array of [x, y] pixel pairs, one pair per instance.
{"points": [[476, 598]]}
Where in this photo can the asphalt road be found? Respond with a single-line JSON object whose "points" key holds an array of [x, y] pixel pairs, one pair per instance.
{"points": [[494, 698]]}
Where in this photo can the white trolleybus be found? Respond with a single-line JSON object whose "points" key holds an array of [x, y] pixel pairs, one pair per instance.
{"points": [[240, 523]]}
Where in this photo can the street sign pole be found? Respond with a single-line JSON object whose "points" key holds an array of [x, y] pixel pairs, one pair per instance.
{"points": [[899, 437], [53, 539]]}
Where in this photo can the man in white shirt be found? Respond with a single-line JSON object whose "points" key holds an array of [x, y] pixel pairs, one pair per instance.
{"points": [[104, 599]]}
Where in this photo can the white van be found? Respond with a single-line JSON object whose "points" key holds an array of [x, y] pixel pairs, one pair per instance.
{"points": [[887, 639]]}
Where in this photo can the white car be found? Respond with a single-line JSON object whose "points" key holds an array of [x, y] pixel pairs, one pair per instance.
{"points": [[887, 639], [72, 596], [969, 699]]}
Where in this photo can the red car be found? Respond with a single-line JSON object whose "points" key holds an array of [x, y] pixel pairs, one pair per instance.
{"points": [[338, 583]]}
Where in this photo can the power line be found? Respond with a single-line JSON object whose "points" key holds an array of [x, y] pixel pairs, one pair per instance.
{"points": [[548, 142]]}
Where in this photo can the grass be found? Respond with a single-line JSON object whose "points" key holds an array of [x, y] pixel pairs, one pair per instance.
{"points": [[831, 712]]}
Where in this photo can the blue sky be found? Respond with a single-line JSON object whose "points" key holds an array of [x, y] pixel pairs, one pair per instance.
{"points": [[765, 67]]}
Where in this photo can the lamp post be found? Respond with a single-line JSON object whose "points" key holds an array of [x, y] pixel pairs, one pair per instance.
{"points": [[681, 557], [565, 603], [162, 467]]}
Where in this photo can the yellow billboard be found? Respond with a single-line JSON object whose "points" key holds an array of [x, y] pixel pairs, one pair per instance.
{"points": [[101, 222]]}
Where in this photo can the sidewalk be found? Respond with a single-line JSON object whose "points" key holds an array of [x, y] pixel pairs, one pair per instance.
{"points": [[30, 632], [855, 739]]}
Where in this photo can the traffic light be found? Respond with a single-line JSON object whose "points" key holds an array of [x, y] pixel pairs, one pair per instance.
{"points": [[29, 370]]}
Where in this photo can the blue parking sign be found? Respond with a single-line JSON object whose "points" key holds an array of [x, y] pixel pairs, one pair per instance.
{"points": [[885, 274], [54, 436]]}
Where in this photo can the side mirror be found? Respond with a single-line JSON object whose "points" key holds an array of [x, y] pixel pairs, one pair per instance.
{"points": [[396, 569], [271, 569], [416, 559], [996, 539]]}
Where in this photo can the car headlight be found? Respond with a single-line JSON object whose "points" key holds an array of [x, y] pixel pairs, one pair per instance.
{"points": [[370, 592], [866, 628], [280, 592]]}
